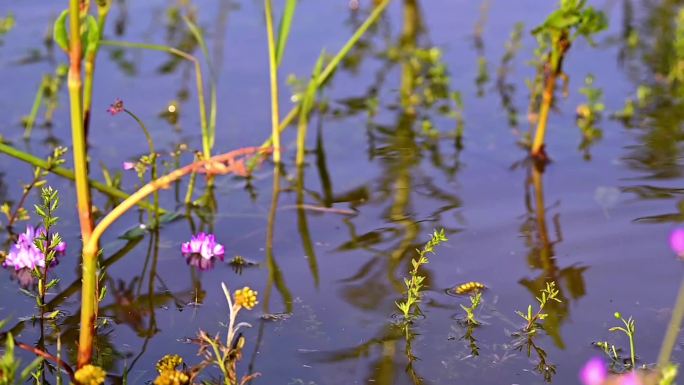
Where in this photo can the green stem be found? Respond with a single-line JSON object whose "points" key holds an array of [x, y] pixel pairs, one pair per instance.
{"points": [[673, 329], [31, 119], [67, 173], [102, 12], [206, 137], [332, 65], [631, 349], [273, 72], [153, 159]]}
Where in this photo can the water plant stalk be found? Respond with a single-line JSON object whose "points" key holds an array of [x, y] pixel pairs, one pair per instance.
{"points": [[103, 7], [273, 75], [547, 100], [333, 64], [81, 177]]}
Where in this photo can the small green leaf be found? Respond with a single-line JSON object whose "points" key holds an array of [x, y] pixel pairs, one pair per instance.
{"points": [[59, 32]]}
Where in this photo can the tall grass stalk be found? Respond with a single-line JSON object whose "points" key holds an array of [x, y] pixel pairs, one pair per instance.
{"points": [[330, 68], [103, 7], [75, 85], [284, 29], [273, 75]]}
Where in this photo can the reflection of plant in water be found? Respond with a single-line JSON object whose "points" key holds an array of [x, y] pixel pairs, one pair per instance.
{"points": [[506, 89], [541, 256], [588, 114]]}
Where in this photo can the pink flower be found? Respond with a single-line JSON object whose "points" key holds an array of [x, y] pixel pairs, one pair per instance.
{"points": [[128, 165], [677, 241], [594, 372], [116, 108], [25, 254], [202, 250]]}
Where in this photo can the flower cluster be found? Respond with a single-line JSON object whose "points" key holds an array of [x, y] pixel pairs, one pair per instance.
{"points": [[90, 375], [246, 298], [171, 377], [25, 253], [116, 108], [169, 362], [202, 250]]}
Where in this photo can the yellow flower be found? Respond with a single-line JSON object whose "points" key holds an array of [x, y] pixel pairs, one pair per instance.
{"points": [[169, 362], [171, 377], [246, 298], [90, 375]]}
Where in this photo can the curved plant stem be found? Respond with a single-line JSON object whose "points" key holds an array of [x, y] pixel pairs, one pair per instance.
{"points": [[91, 246], [206, 135], [48, 356]]}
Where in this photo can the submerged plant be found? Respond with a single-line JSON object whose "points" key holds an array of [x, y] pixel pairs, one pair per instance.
{"points": [[589, 113], [550, 293], [414, 285]]}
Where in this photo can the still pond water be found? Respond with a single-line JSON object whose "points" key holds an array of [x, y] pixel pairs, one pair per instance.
{"points": [[596, 221]]}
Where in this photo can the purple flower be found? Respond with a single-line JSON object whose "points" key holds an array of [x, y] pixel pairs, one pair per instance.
{"points": [[128, 165], [677, 241], [25, 254], [202, 249], [116, 108], [594, 372]]}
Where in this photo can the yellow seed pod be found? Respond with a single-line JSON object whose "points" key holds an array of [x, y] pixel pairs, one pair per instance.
{"points": [[246, 298], [171, 377]]}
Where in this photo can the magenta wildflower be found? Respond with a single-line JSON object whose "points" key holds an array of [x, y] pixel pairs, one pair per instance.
{"points": [[594, 372], [128, 165], [202, 250], [116, 108], [677, 241], [25, 254]]}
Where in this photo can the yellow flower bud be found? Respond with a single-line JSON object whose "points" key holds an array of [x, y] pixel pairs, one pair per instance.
{"points": [[169, 362], [246, 298], [171, 377]]}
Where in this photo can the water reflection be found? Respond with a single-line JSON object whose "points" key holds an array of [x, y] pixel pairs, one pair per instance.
{"points": [[541, 256]]}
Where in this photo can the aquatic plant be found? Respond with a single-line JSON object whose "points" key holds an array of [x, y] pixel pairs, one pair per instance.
{"points": [[9, 365], [414, 284], [470, 310], [550, 293], [90, 375], [573, 19], [629, 330], [589, 113], [226, 355]]}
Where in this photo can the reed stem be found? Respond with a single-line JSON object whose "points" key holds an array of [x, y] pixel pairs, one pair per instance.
{"points": [[547, 99], [273, 72]]}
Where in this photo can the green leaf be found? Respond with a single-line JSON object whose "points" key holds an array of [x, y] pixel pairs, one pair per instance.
{"points": [[284, 29], [59, 32], [92, 35]]}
